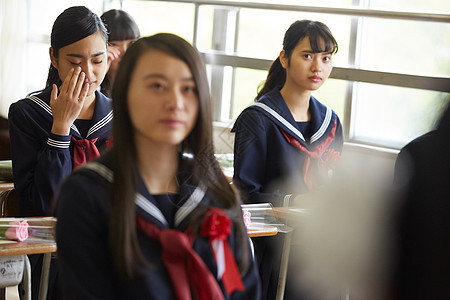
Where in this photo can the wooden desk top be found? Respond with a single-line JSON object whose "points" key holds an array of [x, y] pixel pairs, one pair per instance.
{"points": [[4, 186], [12, 248], [259, 230], [259, 233]]}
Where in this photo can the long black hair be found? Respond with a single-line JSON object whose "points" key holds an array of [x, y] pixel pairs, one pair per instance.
{"points": [[73, 24], [203, 168], [316, 32], [121, 26]]}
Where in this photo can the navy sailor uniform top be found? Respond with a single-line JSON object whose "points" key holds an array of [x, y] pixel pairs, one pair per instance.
{"points": [[41, 159], [269, 168], [87, 270]]}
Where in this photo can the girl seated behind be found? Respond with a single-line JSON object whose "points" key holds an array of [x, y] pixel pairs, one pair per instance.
{"points": [[122, 32], [288, 143]]}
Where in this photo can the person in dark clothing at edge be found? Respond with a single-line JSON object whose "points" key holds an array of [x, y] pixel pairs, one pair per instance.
{"points": [[422, 186]]}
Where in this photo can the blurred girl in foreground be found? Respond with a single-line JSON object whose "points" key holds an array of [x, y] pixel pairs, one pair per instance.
{"points": [[155, 218]]}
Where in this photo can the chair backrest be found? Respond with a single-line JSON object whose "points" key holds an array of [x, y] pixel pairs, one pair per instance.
{"points": [[9, 203], [5, 143]]}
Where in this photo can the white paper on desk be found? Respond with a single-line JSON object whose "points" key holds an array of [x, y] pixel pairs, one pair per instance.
{"points": [[261, 227], [300, 210], [7, 242]]}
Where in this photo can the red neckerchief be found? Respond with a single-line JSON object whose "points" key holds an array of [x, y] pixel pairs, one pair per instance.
{"points": [[186, 269], [79, 154], [316, 154]]}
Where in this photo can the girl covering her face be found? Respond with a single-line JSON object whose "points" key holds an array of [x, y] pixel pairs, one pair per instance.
{"points": [[156, 211], [69, 122]]}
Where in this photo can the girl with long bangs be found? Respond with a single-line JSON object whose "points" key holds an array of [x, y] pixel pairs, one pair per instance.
{"points": [[122, 32], [288, 143], [157, 213]]}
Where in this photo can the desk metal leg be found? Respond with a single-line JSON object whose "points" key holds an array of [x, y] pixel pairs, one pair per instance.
{"points": [[284, 265], [345, 295], [44, 276], [26, 281]]}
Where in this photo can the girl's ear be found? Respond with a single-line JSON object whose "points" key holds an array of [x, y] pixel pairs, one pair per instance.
{"points": [[283, 59], [53, 59]]}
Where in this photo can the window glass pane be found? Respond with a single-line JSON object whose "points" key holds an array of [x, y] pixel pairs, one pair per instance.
{"points": [[158, 16], [332, 94], [205, 28], [437, 5], [38, 63], [393, 116], [44, 12], [258, 37], [406, 46], [246, 85], [331, 3]]}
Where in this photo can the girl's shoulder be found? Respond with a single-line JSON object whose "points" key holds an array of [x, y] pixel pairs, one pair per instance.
{"points": [[320, 111], [99, 169], [260, 112], [37, 98], [34, 106], [102, 97]]}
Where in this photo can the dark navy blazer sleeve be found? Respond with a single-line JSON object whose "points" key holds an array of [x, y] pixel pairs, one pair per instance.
{"points": [[40, 160], [250, 158]]}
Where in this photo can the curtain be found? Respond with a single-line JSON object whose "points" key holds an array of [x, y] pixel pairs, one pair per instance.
{"points": [[13, 38]]}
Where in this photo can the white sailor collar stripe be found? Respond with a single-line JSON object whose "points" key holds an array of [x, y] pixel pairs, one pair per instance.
{"points": [[105, 120], [48, 109], [316, 136], [97, 126], [194, 199], [323, 127], [280, 119]]}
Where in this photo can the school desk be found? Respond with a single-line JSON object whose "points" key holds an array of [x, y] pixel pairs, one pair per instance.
{"points": [[12, 252], [262, 230]]}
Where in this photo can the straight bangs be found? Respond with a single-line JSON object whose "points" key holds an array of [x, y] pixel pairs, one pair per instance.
{"points": [[121, 31], [317, 35]]}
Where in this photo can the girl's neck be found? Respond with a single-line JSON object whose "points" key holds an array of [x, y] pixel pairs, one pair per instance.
{"points": [[297, 102], [158, 166]]}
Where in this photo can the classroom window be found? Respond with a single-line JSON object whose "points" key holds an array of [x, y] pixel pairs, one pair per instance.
{"points": [[370, 89]]}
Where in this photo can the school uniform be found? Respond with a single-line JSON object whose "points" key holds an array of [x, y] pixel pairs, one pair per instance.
{"points": [[82, 234], [275, 159], [41, 160], [421, 227], [269, 165]]}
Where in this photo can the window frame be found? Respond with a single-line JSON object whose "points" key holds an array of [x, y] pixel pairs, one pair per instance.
{"points": [[222, 57]]}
